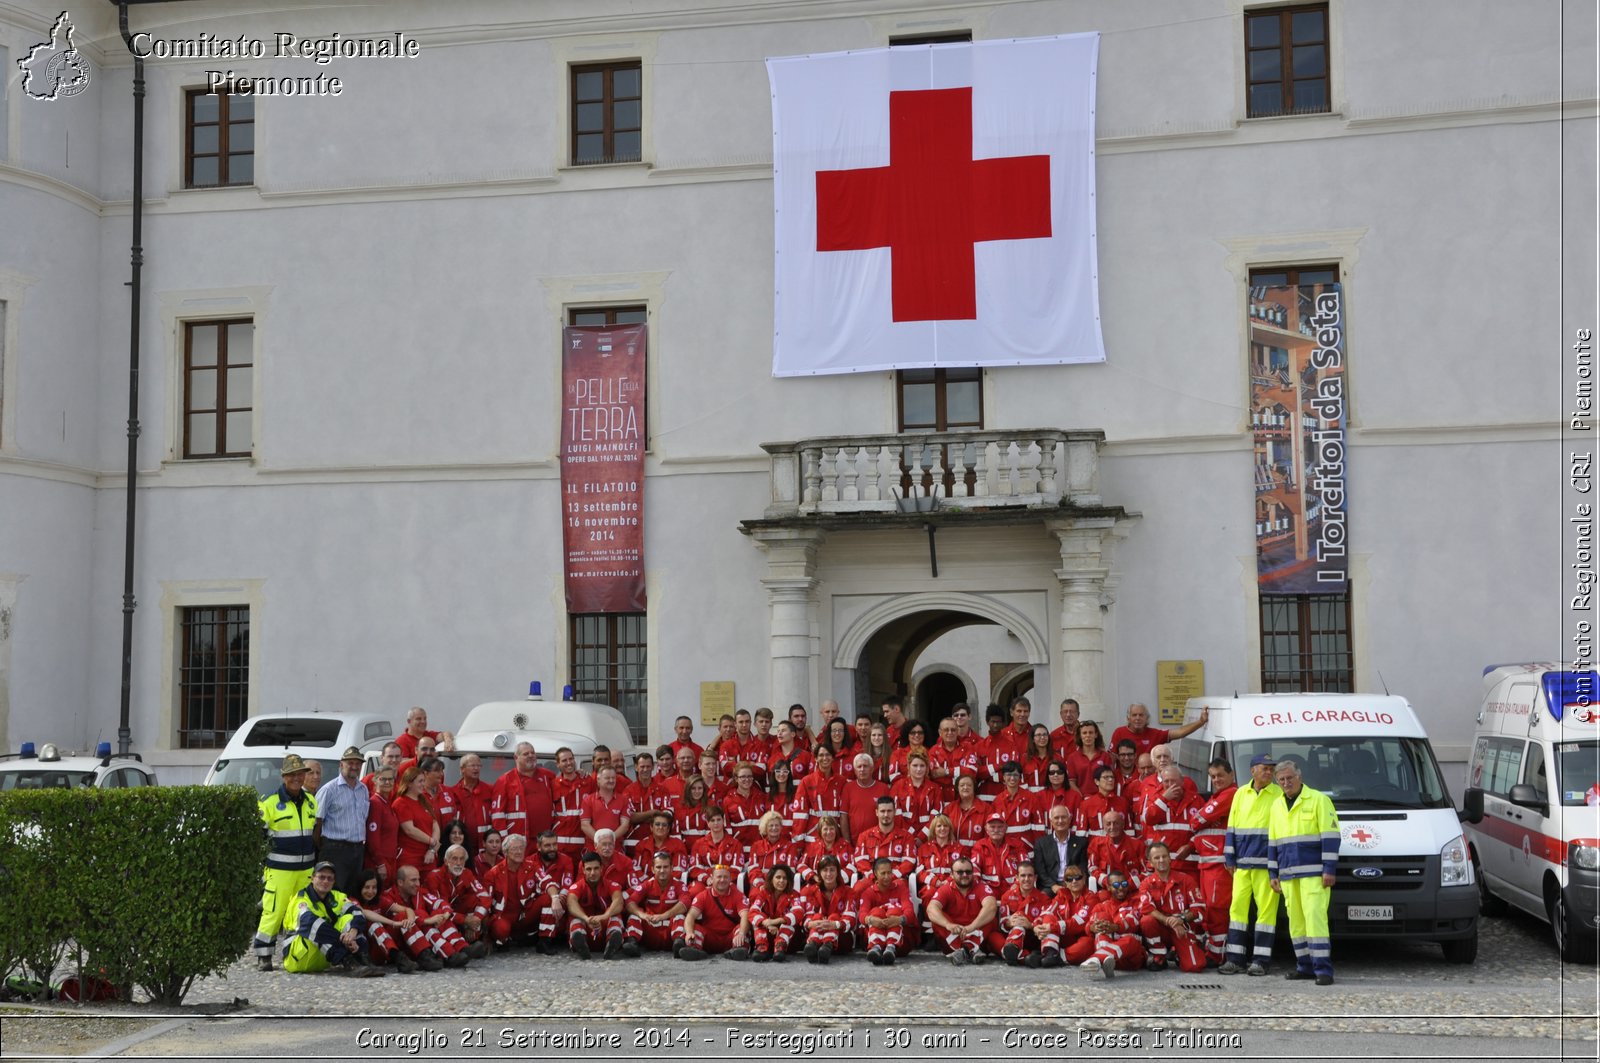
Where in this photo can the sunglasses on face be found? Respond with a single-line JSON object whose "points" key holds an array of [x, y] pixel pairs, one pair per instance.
{"points": [[1073, 878]]}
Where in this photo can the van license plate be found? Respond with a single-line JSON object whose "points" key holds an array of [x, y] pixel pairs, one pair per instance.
{"points": [[1370, 912]]}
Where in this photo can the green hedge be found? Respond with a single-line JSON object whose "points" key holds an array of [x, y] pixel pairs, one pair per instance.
{"points": [[157, 885]]}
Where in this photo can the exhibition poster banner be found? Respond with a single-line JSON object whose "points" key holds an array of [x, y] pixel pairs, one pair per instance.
{"points": [[1298, 419], [602, 467]]}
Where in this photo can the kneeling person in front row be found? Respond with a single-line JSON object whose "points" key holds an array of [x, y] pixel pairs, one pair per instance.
{"points": [[718, 920], [595, 907], [962, 911], [329, 930], [427, 924]]}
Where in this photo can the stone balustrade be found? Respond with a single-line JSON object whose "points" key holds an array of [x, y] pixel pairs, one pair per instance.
{"points": [[1010, 468]]}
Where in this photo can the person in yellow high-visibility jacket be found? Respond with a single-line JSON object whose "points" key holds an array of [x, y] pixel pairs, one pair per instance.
{"points": [[1302, 857], [290, 816], [1245, 854]]}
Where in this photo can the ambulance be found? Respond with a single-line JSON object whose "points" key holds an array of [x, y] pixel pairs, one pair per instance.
{"points": [[1532, 803], [1403, 867]]}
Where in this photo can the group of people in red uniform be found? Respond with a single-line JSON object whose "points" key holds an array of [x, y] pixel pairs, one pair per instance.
{"points": [[1031, 845]]}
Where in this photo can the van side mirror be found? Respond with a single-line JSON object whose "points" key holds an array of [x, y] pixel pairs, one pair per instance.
{"points": [[1526, 796], [1472, 805]]}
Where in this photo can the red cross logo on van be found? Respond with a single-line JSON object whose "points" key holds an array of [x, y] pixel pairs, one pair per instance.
{"points": [[1362, 838], [1585, 714]]}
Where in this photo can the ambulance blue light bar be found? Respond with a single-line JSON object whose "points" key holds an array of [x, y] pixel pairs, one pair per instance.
{"points": [[535, 690], [1564, 690]]}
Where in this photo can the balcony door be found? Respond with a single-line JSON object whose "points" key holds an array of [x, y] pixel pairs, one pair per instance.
{"points": [[937, 400]]}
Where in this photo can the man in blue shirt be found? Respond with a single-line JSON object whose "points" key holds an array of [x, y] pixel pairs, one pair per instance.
{"points": [[342, 821]]}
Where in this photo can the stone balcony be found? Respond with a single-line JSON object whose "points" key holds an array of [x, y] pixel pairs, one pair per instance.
{"points": [[1010, 469]]}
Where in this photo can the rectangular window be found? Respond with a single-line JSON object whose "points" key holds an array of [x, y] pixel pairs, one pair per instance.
{"points": [[938, 400], [214, 674], [608, 664], [1305, 644], [219, 146], [218, 374], [607, 112], [1286, 60]]}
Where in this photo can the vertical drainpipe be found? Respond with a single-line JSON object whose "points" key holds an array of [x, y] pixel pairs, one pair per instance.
{"points": [[124, 733]]}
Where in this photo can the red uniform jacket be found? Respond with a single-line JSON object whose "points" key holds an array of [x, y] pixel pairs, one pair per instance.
{"points": [[1126, 856], [644, 854], [708, 852], [523, 805], [1093, 810], [655, 898], [744, 813], [914, 806], [896, 844], [964, 759], [592, 900], [1024, 819], [1171, 825], [1210, 823], [562, 870], [764, 904], [815, 850], [567, 796], [765, 855], [817, 796], [967, 822], [690, 823], [997, 865], [1124, 917], [464, 893], [383, 838], [933, 864], [1073, 912], [896, 900], [1179, 893], [1035, 905], [801, 762], [812, 904], [476, 804]]}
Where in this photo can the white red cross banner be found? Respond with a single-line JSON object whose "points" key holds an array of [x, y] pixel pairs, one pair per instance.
{"points": [[935, 207]]}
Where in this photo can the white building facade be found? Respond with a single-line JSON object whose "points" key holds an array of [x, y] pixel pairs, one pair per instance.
{"points": [[352, 308]]}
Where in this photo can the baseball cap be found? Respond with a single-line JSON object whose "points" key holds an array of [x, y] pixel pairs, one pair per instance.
{"points": [[1263, 758], [324, 864]]}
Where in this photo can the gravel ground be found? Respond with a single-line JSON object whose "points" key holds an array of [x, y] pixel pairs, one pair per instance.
{"points": [[1518, 988]]}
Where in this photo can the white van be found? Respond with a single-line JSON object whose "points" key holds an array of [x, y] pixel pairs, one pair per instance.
{"points": [[1403, 867], [494, 729], [254, 755], [1533, 799]]}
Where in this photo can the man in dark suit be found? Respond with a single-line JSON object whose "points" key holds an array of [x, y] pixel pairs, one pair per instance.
{"points": [[1058, 849]]}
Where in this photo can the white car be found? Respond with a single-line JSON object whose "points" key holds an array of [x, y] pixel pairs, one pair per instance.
{"points": [[254, 755], [49, 768]]}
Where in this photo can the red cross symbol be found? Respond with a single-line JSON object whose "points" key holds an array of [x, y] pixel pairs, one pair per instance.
{"points": [[1360, 836], [932, 203]]}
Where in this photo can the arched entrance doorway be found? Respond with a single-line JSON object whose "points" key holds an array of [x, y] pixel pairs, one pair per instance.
{"points": [[934, 650], [936, 694]]}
